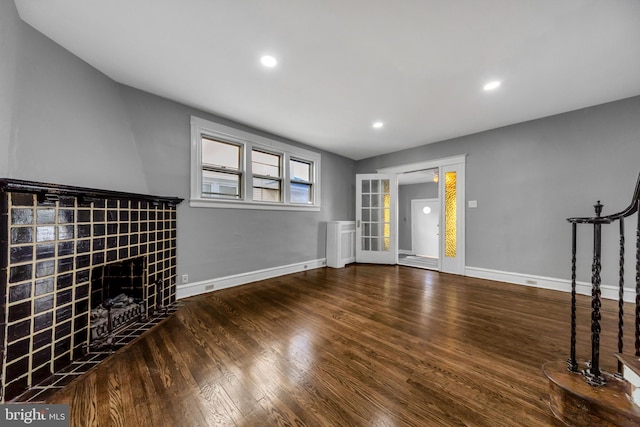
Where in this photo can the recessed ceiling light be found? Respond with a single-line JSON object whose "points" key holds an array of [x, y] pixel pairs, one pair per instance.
{"points": [[492, 85], [378, 125], [269, 61]]}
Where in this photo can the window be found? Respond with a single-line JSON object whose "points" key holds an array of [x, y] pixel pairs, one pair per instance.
{"points": [[300, 184], [231, 168], [221, 173], [267, 181]]}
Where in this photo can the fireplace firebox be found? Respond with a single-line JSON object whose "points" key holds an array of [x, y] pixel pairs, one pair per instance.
{"points": [[117, 298]]}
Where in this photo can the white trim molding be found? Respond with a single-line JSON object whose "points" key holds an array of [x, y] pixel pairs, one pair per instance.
{"points": [[197, 288], [582, 288], [429, 164]]}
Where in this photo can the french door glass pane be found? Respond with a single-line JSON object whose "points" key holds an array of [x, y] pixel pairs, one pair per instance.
{"points": [[376, 215], [387, 244], [365, 243]]}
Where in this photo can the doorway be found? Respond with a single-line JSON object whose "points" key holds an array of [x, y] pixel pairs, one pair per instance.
{"points": [[425, 224], [418, 219], [451, 194]]}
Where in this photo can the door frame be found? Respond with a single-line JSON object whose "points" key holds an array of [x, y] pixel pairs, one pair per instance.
{"points": [[459, 161]]}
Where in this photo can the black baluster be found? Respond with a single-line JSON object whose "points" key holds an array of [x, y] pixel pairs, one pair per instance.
{"points": [[621, 297], [572, 364], [594, 376]]}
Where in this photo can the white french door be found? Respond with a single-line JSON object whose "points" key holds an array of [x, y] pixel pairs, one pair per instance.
{"points": [[376, 218]]}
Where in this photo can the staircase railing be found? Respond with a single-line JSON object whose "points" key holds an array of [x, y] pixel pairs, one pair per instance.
{"points": [[593, 374]]}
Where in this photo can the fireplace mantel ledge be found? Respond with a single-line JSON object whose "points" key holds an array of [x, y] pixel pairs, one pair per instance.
{"points": [[52, 191]]}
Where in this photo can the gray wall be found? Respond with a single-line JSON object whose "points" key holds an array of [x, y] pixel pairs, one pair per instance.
{"points": [[219, 242], [65, 122], [9, 30], [69, 124], [407, 193], [528, 178]]}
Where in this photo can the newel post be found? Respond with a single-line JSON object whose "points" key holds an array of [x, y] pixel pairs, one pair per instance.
{"points": [[593, 374]]}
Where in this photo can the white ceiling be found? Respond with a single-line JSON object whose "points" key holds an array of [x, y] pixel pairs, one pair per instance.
{"points": [[417, 65]]}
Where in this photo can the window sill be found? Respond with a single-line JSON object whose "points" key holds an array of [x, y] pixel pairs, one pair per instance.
{"points": [[227, 204]]}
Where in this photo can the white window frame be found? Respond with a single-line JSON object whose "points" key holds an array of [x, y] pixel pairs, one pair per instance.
{"points": [[250, 141]]}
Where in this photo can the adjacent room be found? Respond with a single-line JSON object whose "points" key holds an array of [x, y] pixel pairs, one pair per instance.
{"points": [[321, 213]]}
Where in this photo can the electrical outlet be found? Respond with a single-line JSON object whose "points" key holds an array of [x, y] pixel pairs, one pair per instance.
{"points": [[185, 278]]}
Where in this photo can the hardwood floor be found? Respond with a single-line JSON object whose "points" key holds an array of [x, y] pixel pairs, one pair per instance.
{"points": [[361, 346]]}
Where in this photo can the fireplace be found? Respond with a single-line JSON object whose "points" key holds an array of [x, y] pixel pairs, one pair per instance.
{"points": [[61, 251]]}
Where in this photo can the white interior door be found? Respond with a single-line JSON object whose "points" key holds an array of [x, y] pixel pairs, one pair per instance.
{"points": [[425, 227], [376, 218], [452, 222]]}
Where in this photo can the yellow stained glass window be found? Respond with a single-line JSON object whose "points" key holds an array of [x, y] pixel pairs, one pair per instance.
{"points": [[450, 206], [385, 186]]}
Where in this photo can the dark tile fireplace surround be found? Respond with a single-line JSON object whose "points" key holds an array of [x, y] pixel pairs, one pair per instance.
{"points": [[59, 248]]}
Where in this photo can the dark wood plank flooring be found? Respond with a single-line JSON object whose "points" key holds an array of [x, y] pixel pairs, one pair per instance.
{"points": [[361, 346]]}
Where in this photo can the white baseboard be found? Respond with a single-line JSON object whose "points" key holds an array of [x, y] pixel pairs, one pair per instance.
{"points": [[197, 288], [582, 288]]}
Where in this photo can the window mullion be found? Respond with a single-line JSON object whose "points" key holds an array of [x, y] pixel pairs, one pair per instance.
{"points": [[286, 175], [247, 195]]}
